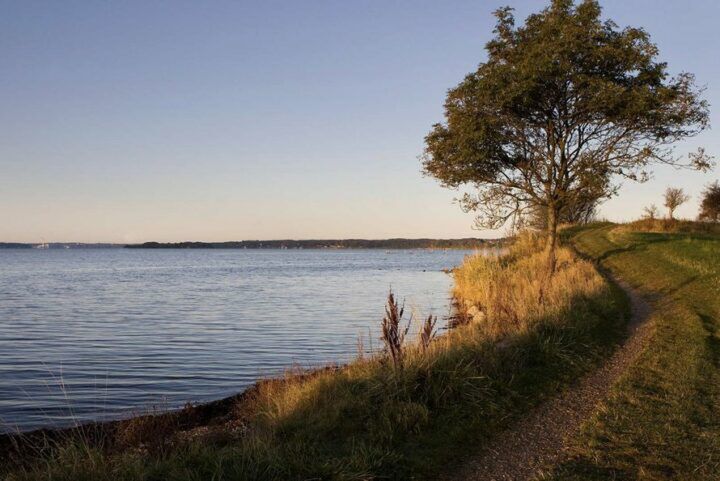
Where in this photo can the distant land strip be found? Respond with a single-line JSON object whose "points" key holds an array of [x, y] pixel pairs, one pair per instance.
{"points": [[58, 245], [467, 243]]}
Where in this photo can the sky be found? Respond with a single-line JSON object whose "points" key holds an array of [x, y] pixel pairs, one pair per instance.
{"points": [[184, 120]]}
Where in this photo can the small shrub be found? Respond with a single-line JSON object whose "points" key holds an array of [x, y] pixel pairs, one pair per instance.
{"points": [[674, 198], [651, 212]]}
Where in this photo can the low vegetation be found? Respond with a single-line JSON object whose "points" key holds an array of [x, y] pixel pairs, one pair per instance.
{"points": [[661, 421], [526, 336], [508, 295], [671, 226]]}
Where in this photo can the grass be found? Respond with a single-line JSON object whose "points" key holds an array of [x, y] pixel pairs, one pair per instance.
{"points": [[508, 294], [662, 420], [530, 336], [677, 226]]}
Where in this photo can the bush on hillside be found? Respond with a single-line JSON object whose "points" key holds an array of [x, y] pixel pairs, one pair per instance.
{"points": [[710, 203]]}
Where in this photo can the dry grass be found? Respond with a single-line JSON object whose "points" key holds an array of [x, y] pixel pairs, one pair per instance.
{"points": [[427, 332], [393, 333], [508, 294], [671, 226]]}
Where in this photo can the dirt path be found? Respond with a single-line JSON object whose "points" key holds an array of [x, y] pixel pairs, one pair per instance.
{"points": [[540, 438]]}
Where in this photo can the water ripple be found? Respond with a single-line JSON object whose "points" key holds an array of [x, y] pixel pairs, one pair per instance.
{"points": [[97, 334]]}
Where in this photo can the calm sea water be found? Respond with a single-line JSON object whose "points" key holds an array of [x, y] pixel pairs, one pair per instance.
{"points": [[91, 334]]}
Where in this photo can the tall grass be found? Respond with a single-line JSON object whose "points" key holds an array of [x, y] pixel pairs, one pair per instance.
{"points": [[368, 419], [509, 294], [393, 333], [427, 332]]}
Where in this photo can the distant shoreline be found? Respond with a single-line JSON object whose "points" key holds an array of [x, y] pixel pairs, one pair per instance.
{"points": [[396, 243], [60, 245], [467, 243]]}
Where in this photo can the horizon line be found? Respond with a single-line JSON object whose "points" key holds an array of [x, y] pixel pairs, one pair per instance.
{"points": [[288, 239]]}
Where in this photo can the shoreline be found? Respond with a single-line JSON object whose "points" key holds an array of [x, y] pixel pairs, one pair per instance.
{"points": [[466, 243], [26, 413], [15, 445], [282, 423]]}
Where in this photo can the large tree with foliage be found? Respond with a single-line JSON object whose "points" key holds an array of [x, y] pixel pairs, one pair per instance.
{"points": [[710, 203], [563, 105]]}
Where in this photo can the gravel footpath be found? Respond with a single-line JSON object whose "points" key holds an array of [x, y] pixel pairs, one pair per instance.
{"points": [[540, 438]]}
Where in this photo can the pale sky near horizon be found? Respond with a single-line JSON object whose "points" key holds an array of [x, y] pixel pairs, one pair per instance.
{"points": [[182, 120]]}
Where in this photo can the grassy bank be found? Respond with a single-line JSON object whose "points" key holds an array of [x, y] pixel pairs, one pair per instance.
{"points": [[671, 226], [527, 336], [663, 418]]}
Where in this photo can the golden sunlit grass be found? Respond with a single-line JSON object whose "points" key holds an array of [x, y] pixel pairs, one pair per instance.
{"points": [[509, 294], [439, 399]]}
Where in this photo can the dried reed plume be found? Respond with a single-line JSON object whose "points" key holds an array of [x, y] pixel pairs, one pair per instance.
{"points": [[427, 333], [393, 335]]}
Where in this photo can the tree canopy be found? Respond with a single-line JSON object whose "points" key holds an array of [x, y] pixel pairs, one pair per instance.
{"points": [[563, 105], [710, 203]]}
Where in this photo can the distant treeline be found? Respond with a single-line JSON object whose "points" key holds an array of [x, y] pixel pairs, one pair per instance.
{"points": [[57, 245], [468, 243], [14, 245]]}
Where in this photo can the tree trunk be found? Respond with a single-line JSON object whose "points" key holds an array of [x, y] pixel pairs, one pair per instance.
{"points": [[551, 241]]}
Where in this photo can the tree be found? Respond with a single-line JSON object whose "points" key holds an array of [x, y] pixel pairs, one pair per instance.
{"points": [[710, 203], [581, 211], [674, 198], [563, 105], [651, 212]]}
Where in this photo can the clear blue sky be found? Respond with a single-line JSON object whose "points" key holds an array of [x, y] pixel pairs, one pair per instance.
{"points": [[187, 120]]}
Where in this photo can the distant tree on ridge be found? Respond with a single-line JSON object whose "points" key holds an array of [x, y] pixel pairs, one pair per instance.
{"points": [[651, 212], [674, 198]]}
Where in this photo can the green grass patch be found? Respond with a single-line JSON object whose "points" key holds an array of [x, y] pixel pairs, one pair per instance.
{"points": [[662, 420]]}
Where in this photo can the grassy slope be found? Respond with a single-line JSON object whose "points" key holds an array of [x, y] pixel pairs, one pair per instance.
{"points": [[663, 418], [368, 421]]}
